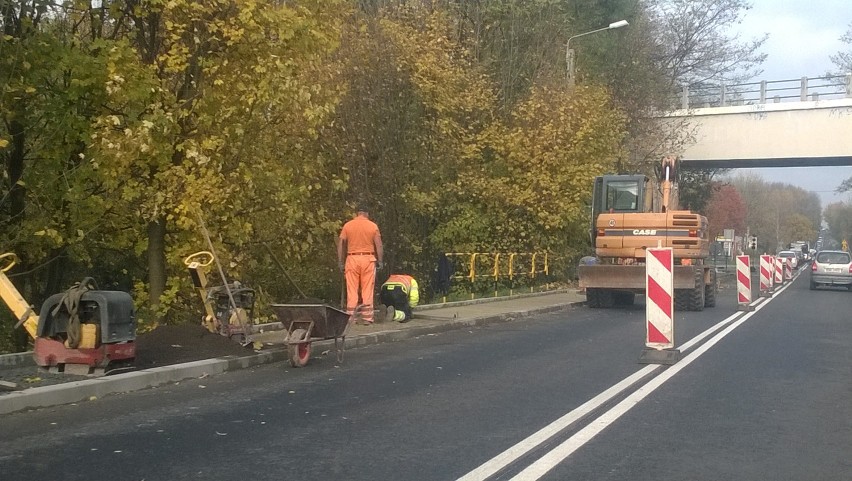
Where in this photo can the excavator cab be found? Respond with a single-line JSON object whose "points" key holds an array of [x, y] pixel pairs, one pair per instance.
{"points": [[619, 193]]}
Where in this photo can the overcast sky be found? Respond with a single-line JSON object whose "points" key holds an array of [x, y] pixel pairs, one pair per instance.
{"points": [[803, 34]]}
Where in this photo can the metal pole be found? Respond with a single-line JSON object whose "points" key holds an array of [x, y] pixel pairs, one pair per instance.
{"points": [[569, 54], [763, 91], [684, 97], [569, 60], [283, 270], [804, 93]]}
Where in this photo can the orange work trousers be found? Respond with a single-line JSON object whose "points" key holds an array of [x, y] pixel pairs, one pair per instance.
{"points": [[360, 274]]}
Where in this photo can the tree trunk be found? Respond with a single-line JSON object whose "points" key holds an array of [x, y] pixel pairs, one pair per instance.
{"points": [[156, 263], [56, 281], [15, 168]]}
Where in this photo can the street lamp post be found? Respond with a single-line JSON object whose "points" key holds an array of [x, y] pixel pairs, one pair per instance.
{"points": [[569, 54]]}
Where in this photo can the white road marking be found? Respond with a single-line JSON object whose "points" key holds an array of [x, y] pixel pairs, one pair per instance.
{"points": [[495, 464], [561, 452], [510, 455]]}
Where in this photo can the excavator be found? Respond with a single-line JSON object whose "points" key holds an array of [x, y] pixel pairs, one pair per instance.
{"points": [[82, 331], [631, 214]]}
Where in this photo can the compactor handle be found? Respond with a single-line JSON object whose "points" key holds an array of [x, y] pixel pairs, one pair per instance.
{"points": [[203, 258], [13, 259]]}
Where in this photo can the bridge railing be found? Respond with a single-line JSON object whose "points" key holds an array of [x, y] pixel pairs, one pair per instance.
{"points": [[767, 91]]}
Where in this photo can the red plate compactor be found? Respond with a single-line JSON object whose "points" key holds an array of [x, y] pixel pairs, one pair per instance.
{"points": [[81, 331]]}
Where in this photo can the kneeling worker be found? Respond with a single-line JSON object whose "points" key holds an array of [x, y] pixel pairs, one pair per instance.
{"points": [[399, 293]]}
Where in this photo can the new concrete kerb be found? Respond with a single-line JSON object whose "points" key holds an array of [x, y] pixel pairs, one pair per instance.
{"points": [[67, 393]]}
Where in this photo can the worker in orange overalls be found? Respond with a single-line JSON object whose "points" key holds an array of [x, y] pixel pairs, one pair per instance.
{"points": [[361, 242], [399, 293]]}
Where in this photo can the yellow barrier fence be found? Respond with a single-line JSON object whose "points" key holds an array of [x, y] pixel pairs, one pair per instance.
{"points": [[498, 266]]}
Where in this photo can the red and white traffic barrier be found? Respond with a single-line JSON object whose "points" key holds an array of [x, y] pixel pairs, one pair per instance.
{"points": [[744, 284], [766, 272], [659, 308], [779, 271], [788, 270], [772, 273]]}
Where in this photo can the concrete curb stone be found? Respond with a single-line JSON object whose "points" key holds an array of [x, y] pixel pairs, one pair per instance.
{"points": [[18, 359], [483, 300]]}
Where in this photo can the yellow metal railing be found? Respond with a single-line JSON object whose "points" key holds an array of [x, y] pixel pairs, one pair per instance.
{"points": [[498, 266]]}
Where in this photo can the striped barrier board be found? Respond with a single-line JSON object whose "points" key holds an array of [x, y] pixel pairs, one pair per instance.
{"points": [[779, 271], [744, 284], [659, 308], [788, 270], [772, 272], [766, 273]]}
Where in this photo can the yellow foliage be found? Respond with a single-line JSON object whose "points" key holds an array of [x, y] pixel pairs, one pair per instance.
{"points": [[544, 163]]}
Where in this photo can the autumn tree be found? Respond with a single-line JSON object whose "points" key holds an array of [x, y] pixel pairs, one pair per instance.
{"points": [[778, 212], [55, 83], [537, 179], [726, 210], [843, 59], [838, 216], [698, 46], [799, 227], [194, 127], [414, 106], [698, 187]]}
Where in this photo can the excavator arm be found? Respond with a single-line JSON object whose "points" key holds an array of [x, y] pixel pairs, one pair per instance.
{"points": [[22, 311], [667, 176]]}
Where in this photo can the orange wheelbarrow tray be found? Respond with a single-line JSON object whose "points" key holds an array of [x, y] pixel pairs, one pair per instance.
{"points": [[311, 322]]}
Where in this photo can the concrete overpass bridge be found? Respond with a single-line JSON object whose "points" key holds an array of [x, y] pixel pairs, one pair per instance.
{"points": [[783, 123]]}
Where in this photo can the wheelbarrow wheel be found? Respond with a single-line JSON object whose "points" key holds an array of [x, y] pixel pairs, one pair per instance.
{"points": [[301, 352]]}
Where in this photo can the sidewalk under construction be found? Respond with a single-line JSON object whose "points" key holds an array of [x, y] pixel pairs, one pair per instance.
{"points": [[428, 319]]}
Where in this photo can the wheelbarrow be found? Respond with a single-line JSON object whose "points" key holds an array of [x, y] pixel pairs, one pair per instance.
{"points": [[308, 323]]}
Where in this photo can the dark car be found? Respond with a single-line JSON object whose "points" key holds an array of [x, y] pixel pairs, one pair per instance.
{"points": [[832, 268]]}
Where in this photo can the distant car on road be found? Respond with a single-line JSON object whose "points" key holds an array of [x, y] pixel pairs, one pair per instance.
{"points": [[832, 268], [794, 259]]}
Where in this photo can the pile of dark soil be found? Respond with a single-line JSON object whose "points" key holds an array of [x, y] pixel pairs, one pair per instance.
{"points": [[167, 345]]}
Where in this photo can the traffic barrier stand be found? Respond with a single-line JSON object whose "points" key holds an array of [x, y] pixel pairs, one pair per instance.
{"points": [[772, 283], [779, 271], [766, 271], [659, 308], [788, 270], [744, 284]]}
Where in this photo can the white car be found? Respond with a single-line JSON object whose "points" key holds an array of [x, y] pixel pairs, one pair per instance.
{"points": [[832, 268], [794, 259]]}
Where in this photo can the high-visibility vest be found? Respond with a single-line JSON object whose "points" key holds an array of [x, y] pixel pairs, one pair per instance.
{"points": [[408, 284]]}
